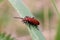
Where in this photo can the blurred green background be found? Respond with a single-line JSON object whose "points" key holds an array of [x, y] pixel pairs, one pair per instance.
{"points": [[43, 10]]}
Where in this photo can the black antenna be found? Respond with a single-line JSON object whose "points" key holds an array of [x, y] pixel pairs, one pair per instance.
{"points": [[17, 18]]}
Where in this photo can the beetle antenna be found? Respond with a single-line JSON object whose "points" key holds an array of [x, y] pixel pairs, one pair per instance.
{"points": [[17, 17]]}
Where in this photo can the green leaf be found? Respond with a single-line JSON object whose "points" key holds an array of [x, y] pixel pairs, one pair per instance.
{"points": [[23, 11], [3, 36]]}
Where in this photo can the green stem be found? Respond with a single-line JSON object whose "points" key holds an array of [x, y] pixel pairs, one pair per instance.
{"points": [[58, 29], [54, 4]]}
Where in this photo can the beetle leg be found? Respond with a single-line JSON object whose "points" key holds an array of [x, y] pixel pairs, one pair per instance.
{"points": [[25, 22], [29, 25], [37, 27]]}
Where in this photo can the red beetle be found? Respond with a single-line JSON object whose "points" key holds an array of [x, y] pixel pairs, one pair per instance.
{"points": [[29, 20]]}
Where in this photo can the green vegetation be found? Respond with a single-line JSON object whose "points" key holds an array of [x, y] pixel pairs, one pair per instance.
{"points": [[57, 37], [3, 36], [1, 1]]}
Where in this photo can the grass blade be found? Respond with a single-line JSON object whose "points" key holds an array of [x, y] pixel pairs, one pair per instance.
{"points": [[18, 5], [57, 37], [24, 11], [54, 5], [4, 36]]}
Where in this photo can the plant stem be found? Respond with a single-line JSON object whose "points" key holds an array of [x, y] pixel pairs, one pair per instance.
{"points": [[54, 4], [58, 29]]}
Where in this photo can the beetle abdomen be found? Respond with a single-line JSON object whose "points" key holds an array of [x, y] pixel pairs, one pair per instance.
{"points": [[32, 21]]}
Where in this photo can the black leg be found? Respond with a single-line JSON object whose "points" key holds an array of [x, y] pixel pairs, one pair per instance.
{"points": [[36, 27], [29, 26]]}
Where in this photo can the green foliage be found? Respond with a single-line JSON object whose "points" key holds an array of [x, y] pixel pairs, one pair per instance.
{"points": [[50, 13], [40, 14], [57, 37], [54, 5], [3, 36], [58, 32], [1, 1]]}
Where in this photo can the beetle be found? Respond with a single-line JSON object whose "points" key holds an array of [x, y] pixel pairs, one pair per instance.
{"points": [[31, 21]]}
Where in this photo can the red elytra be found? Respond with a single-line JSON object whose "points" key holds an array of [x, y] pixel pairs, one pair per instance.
{"points": [[30, 20]]}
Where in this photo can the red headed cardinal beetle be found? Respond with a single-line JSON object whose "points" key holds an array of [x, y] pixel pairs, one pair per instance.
{"points": [[29, 20]]}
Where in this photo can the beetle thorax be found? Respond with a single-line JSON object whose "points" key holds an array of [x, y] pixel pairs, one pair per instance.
{"points": [[25, 20]]}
